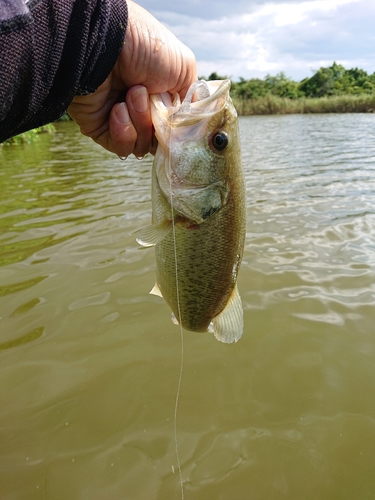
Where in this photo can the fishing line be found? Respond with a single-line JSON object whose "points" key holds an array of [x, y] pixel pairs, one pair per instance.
{"points": [[180, 321]]}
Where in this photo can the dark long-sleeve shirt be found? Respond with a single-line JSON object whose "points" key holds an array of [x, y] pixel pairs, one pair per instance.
{"points": [[50, 51]]}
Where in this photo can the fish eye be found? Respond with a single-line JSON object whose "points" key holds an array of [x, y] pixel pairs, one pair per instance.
{"points": [[220, 141]]}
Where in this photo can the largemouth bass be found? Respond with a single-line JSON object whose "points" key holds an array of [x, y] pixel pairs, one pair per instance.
{"points": [[198, 209]]}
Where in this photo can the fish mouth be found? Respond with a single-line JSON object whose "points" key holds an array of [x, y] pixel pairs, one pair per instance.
{"points": [[203, 100], [202, 94]]}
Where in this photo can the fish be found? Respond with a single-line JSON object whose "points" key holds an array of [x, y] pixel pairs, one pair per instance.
{"points": [[198, 209]]}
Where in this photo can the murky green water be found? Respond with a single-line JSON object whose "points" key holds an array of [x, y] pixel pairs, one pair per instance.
{"points": [[89, 361]]}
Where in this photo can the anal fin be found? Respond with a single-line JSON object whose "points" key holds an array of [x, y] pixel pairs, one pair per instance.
{"points": [[156, 291], [174, 319]]}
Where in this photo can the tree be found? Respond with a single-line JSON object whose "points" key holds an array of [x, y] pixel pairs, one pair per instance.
{"points": [[282, 86], [250, 89], [322, 83], [336, 80], [215, 76], [330, 81]]}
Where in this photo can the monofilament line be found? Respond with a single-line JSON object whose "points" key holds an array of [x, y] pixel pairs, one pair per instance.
{"points": [[180, 321]]}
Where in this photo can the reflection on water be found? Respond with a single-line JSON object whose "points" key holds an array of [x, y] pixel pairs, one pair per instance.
{"points": [[89, 361]]}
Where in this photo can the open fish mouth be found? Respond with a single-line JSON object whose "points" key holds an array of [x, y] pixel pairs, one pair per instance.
{"points": [[203, 99]]}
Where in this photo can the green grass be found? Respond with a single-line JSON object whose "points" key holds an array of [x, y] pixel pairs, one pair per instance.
{"points": [[274, 105], [30, 135]]}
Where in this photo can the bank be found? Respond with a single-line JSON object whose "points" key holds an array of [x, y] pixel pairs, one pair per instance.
{"points": [[275, 105]]}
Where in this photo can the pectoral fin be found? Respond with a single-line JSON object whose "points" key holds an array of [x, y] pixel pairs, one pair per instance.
{"points": [[154, 234], [228, 325]]}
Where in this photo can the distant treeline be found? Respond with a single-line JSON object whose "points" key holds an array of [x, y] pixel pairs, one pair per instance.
{"points": [[328, 90]]}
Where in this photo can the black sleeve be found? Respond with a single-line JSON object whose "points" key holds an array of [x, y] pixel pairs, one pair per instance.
{"points": [[50, 51]]}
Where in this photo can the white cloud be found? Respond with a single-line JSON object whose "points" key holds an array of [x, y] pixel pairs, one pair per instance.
{"points": [[258, 37], [290, 13]]}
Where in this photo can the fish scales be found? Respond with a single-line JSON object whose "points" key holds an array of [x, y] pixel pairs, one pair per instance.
{"points": [[202, 190]]}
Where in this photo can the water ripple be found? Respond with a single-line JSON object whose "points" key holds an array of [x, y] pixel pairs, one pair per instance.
{"points": [[91, 360]]}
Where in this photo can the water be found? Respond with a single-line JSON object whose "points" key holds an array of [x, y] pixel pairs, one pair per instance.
{"points": [[89, 361]]}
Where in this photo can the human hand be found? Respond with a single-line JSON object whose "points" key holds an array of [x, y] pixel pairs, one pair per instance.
{"points": [[152, 60]]}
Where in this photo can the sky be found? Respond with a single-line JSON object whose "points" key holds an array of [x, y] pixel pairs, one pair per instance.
{"points": [[253, 38]]}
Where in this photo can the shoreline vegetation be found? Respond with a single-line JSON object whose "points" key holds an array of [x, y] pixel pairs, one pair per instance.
{"points": [[333, 89], [33, 135], [275, 105], [29, 136]]}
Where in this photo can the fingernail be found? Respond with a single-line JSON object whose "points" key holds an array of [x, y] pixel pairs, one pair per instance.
{"points": [[122, 113], [140, 100]]}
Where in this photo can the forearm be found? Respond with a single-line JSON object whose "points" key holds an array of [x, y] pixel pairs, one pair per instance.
{"points": [[51, 51]]}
